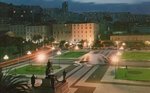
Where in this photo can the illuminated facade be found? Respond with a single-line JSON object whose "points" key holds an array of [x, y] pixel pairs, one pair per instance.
{"points": [[75, 32], [130, 38], [84, 31]]}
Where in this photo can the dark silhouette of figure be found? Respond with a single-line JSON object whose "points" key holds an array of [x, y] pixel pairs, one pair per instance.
{"points": [[64, 76], [47, 72], [33, 80], [126, 67], [48, 68], [1, 73]]}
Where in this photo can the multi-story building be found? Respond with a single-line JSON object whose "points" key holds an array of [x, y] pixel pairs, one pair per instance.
{"points": [[130, 38], [29, 31], [84, 31], [18, 30], [4, 27], [75, 32], [41, 30], [62, 32]]}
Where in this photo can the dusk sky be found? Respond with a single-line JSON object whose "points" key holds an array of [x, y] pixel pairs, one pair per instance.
{"points": [[134, 6], [86, 1], [112, 1]]}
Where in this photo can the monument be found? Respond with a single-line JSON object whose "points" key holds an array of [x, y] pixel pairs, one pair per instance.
{"points": [[51, 83]]}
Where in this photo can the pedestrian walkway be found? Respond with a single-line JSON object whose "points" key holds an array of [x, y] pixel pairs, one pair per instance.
{"points": [[109, 77]]}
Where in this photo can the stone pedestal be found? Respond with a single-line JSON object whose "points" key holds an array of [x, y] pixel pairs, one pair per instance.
{"points": [[46, 83], [62, 87]]}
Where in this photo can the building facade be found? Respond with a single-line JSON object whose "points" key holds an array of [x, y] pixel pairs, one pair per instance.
{"points": [[38, 30], [75, 32], [84, 31], [18, 30], [29, 31], [62, 32], [130, 38]]}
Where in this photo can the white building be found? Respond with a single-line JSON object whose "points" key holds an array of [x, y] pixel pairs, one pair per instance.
{"points": [[18, 30]]}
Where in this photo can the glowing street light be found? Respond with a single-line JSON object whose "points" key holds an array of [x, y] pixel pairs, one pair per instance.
{"points": [[53, 48], [119, 53], [76, 47], [117, 43], [29, 53], [41, 57], [59, 53], [123, 44], [121, 48], [115, 61], [6, 57]]}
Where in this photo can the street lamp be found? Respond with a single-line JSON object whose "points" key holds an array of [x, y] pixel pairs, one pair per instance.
{"points": [[6, 57], [119, 53], [123, 44], [59, 53], [76, 47], [41, 58], [29, 53], [53, 48], [115, 62]]}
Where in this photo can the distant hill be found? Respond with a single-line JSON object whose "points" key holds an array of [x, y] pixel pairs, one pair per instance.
{"points": [[140, 8]]}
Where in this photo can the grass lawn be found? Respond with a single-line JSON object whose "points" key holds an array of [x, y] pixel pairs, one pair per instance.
{"points": [[136, 56], [138, 74], [71, 55], [32, 69]]}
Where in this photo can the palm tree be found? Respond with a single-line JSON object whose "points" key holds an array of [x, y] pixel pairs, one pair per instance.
{"points": [[13, 84]]}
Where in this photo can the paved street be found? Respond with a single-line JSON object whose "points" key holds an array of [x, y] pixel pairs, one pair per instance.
{"points": [[78, 84]]}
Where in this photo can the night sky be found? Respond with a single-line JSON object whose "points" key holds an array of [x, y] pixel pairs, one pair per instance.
{"points": [[133, 6], [82, 1]]}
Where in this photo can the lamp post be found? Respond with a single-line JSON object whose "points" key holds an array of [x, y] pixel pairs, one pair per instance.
{"points": [[52, 50], [6, 57], [118, 55], [41, 58], [115, 62], [59, 53], [29, 53], [76, 47]]}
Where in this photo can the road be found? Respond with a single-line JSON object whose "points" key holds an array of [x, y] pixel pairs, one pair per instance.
{"points": [[24, 58]]}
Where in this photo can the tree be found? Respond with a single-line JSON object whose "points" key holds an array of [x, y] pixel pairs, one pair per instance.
{"points": [[37, 38], [19, 42], [13, 84], [51, 39], [96, 44], [61, 45]]}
